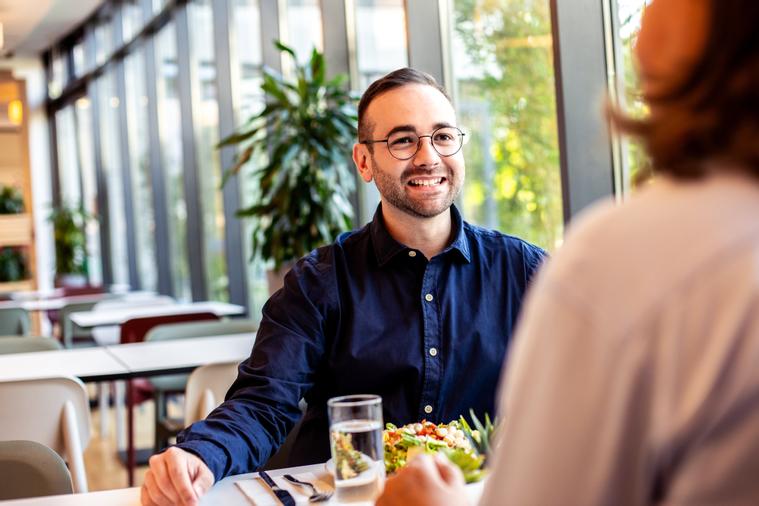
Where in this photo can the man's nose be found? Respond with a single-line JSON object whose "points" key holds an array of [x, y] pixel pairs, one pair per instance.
{"points": [[426, 154]]}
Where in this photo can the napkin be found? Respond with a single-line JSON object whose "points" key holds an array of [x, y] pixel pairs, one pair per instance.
{"points": [[261, 495]]}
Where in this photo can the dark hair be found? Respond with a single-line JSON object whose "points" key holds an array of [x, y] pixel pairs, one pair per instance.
{"points": [[714, 113], [394, 79]]}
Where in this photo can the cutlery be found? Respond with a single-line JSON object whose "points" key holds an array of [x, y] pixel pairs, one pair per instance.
{"points": [[316, 496], [282, 494]]}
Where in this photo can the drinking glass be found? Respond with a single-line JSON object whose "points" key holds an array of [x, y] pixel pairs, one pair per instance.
{"points": [[355, 436]]}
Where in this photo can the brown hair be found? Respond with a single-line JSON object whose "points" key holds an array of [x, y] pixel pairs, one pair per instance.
{"points": [[394, 79], [714, 113]]}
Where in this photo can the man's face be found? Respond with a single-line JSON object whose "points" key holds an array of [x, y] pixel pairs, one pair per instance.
{"points": [[427, 184]]}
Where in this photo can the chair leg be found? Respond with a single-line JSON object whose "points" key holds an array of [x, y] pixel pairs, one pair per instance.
{"points": [[103, 391], [131, 458], [118, 395], [74, 448]]}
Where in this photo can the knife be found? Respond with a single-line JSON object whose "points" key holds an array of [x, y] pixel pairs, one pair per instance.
{"points": [[282, 494]]}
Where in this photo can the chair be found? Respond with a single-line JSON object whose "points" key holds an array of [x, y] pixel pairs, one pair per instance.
{"points": [[176, 383], [14, 321], [134, 331], [70, 331], [30, 469], [54, 315], [53, 412], [14, 344]]}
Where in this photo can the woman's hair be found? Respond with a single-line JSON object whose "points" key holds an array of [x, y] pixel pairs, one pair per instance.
{"points": [[714, 114]]}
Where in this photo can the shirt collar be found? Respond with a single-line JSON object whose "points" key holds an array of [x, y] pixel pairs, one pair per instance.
{"points": [[385, 247]]}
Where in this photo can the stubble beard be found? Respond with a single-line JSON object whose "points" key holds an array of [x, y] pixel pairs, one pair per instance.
{"points": [[392, 191]]}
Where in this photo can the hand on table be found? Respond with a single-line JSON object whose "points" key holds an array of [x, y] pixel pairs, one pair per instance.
{"points": [[425, 481], [175, 477]]}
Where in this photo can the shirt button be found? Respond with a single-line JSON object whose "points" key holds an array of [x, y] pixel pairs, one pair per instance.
{"points": [[428, 297], [412, 253], [433, 352], [428, 409]]}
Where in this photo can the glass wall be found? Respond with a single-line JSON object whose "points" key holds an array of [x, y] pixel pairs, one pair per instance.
{"points": [[169, 130], [83, 117], [505, 96], [206, 125], [304, 27], [110, 153], [139, 167], [381, 44]]}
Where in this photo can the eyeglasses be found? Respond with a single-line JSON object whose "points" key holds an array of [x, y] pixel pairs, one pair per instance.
{"points": [[446, 141]]}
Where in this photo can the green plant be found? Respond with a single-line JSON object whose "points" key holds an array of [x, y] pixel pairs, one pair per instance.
{"points": [[11, 201], [70, 240], [307, 129], [12, 265]]}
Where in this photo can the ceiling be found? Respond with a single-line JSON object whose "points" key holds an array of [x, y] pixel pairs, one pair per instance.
{"points": [[31, 26]]}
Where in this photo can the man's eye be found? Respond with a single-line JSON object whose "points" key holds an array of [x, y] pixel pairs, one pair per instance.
{"points": [[402, 141], [444, 137]]}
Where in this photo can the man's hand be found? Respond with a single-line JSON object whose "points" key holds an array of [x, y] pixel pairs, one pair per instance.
{"points": [[425, 481], [175, 477]]}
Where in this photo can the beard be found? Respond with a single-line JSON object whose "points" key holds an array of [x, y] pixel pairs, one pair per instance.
{"points": [[393, 190]]}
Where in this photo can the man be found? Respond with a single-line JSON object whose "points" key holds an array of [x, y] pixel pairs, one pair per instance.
{"points": [[407, 307]]}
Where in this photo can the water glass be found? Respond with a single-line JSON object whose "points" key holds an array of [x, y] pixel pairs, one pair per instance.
{"points": [[355, 436]]}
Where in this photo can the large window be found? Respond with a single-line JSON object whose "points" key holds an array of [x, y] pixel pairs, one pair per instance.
{"points": [[139, 162], [110, 153], [83, 117], [304, 27], [249, 100], [206, 119], [505, 96], [169, 130], [381, 44]]}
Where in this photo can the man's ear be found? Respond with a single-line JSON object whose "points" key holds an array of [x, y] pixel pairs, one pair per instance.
{"points": [[363, 161]]}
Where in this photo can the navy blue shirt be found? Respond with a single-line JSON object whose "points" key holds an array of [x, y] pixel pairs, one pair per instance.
{"points": [[369, 315]]}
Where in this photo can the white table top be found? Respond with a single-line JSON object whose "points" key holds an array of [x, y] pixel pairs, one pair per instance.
{"points": [[117, 316], [224, 492], [85, 363], [149, 357], [47, 304]]}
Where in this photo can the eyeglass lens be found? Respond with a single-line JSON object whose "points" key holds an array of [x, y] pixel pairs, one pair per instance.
{"points": [[446, 141]]}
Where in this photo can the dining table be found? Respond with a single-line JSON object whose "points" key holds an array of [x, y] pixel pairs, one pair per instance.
{"points": [[239, 490], [119, 315]]}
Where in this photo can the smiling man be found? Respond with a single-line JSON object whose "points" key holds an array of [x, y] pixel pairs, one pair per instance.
{"points": [[417, 307]]}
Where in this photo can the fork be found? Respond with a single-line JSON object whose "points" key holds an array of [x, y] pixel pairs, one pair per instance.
{"points": [[316, 496]]}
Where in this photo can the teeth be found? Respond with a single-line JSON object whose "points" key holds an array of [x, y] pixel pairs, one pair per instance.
{"points": [[426, 182]]}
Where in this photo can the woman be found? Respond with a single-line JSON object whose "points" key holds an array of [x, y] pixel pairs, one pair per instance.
{"points": [[633, 379]]}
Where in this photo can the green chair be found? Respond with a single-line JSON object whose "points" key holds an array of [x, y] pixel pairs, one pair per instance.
{"points": [[30, 469], [14, 321], [15, 344], [70, 331], [176, 383]]}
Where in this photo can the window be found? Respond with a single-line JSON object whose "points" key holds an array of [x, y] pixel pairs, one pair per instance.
{"points": [[58, 75], [249, 100], [110, 149], [381, 44], [78, 56], [139, 162], [304, 27], [103, 41], [206, 127], [505, 97], [83, 119], [169, 131], [131, 19]]}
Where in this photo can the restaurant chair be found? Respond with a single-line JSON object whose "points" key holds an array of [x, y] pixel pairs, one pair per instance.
{"points": [[54, 315], [53, 412], [70, 332], [27, 344], [207, 387], [139, 390], [14, 321], [30, 469], [164, 386]]}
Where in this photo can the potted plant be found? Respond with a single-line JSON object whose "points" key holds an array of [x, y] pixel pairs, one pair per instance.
{"points": [[11, 201], [12, 265], [70, 245], [15, 235], [299, 145]]}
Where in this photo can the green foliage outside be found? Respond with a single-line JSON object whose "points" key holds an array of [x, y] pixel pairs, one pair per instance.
{"points": [[70, 240], [12, 265], [11, 200], [299, 143], [513, 177]]}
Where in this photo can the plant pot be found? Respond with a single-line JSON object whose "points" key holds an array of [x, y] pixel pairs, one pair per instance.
{"points": [[276, 278]]}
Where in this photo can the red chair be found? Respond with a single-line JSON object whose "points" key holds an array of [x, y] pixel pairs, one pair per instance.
{"points": [[139, 390]]}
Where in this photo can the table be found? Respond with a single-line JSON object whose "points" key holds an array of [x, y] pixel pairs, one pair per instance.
{"points": [[117, 316], [224, 492], [88, 364]]}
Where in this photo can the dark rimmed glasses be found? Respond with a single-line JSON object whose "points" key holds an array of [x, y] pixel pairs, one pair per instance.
{"points": [[446, 141]]}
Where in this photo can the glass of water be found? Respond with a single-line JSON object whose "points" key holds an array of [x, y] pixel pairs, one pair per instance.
{"points": [[355, 436]]}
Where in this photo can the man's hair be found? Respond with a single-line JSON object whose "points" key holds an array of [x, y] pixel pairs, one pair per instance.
{"points": [[714, 114], [395, 79]]}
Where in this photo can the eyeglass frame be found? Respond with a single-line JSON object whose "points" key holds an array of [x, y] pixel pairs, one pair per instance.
{"points": [[462, 136]]}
